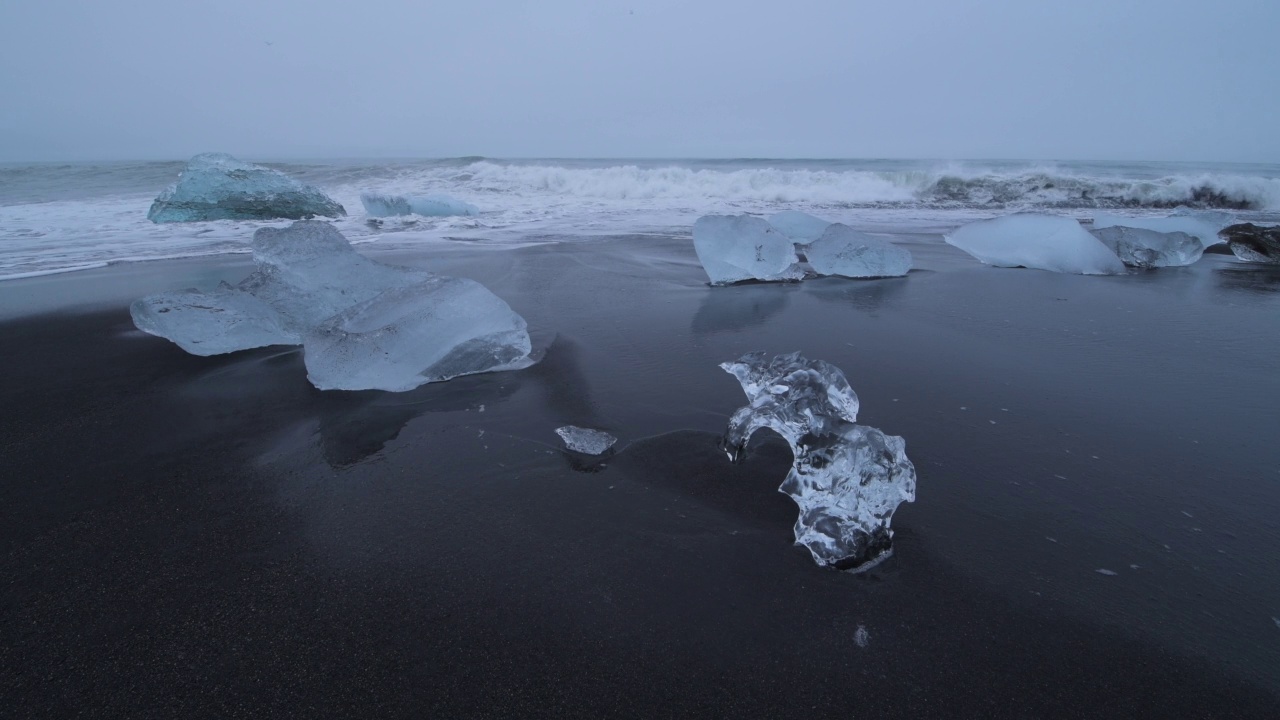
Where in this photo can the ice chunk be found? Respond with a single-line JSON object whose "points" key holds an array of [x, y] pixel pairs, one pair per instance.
{"points": [[800, 227], [841, 250], [1043, 242], [586, 440], [216, 186], [438, 329], [221, 321], [1150, 249], [733, 248], [363, 325], [847, 479], [1254, 243], [1203, 226], [309, 272], [431, 205]]}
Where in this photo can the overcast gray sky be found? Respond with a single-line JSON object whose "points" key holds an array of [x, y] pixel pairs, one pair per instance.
{"points": [[1037, 79]]}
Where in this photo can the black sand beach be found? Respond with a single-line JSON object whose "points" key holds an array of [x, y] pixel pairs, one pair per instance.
{"points": [[214, 537]]}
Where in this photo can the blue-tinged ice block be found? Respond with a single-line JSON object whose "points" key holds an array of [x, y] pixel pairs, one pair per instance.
{"points": [[1141, 248], [800, 227], [841, 250], [1043, 242], [216, 186], [733, 248]]}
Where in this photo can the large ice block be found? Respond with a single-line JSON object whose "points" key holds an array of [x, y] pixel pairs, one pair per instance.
{"points": [[847, 479], [438, 329], [378, 205], [1254, 243], [1141, 248], [1043, 242], [1203, 226], [800, 227], [363, 325], [733, 248], [216, 186], [843, 251]]}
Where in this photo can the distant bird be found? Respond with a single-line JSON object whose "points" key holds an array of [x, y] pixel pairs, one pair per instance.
{"points": [[268, 42]]}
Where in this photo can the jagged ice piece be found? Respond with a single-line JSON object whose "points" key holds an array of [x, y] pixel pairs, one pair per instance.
{"points": [[841, 250], [1254, 243], [733, 248], [847, 479], [216, 186], [800, 227], [1043, 242], [586, 440], [1141, 248], [378, 205], [222, 321]]}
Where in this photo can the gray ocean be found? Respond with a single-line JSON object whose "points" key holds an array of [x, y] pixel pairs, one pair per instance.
{"points": [[66, 217]]}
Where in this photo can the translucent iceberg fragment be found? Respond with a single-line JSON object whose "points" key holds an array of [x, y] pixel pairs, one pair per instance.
{"points": [[216, 186], [363, 325], [843, 251], [1150, 249], [586, 440], [309, 272], [733, 248], [431, 205], [1254, 243], [213, 323], [1202, 226], [847, 479], [1043, 242], [404, 337], [800, 227]]}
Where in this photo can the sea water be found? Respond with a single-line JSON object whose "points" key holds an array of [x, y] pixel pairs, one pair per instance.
{"points": [[63, 217]]}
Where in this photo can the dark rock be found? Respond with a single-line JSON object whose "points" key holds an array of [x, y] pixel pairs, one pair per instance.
{"points": [[1253, 243]]}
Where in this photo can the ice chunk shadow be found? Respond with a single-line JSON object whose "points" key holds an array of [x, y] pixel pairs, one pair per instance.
{"points": [[746, 306], [870, 295], [1254, 280]]}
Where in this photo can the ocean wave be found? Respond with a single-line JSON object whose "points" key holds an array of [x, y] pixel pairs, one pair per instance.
{"points": [[948, 187]]}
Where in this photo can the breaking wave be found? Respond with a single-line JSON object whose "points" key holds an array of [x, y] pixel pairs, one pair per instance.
{"points": [[1035, 188]]}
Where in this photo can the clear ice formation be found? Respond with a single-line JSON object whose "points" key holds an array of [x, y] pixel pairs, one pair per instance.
{"points": [[1042, 242], [377, 205], [733, 248], [363, 325], [843, 251], [1254, 243], [800, 227], [1141, 248], [216, 186], [586, 440], [1202, 226], [847, 479]]}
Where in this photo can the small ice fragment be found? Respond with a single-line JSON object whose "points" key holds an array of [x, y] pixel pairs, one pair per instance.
{"points": [[1060, 477], [586, 440], [1133, 567], [216, 186], [993, 422], [848, 253], [1043, 242], [1184, 512], [799, 227], [1104, 571], [1276, 620], [1052, 540], [847, 479], [1141, 248], [860, 637], [733, 248], [377, 205]]}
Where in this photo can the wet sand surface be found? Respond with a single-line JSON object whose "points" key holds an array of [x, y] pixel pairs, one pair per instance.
{"points": [[213, 536]]}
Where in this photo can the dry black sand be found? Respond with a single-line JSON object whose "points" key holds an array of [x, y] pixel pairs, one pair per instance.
{"points": [[187, 536]]}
